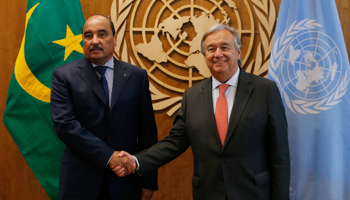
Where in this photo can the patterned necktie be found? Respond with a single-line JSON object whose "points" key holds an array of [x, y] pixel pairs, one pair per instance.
{"points": [[221, 113], [103, 80]]}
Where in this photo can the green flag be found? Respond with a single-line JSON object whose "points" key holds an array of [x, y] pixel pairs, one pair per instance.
{"points": [[52, 38]]}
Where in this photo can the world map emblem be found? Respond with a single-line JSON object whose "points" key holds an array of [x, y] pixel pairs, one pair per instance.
{"points": [[310, 66], [165, 39]]}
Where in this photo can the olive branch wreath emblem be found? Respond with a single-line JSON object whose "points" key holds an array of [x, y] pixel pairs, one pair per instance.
{"points": [[265, 11], [302, 106]]}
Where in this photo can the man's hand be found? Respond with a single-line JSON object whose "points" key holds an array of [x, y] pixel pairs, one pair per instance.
{"points": [[128, 165], [122, 164], [119, 171], [146, 194]]}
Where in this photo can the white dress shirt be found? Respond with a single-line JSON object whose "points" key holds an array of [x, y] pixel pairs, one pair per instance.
{"points": [[109, 74], [230, 92]]}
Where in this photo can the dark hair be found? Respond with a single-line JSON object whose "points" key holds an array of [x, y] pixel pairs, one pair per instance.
{"points": [[220, 27], [112, 26]]}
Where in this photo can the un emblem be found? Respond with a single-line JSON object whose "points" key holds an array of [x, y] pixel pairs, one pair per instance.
{"points": [[310, 65], [163, 37]]}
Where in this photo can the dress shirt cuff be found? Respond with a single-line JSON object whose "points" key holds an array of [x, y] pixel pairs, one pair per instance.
{"points": [[109, 160], [137, 163]]}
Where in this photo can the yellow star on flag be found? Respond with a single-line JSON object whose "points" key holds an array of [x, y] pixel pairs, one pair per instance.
{"points": [[71, 43]]}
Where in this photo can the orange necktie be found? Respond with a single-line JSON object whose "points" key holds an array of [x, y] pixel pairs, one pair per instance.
{"points": [[221, 113]]}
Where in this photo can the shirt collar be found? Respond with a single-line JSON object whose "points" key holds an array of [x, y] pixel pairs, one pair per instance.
{"points": [[233, 81], [109, 64]]}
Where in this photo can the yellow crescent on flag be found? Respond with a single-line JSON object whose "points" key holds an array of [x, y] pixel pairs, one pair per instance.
{"points": [[24, 75]]}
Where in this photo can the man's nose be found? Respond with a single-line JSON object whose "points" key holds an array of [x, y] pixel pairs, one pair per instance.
{"points": [[218, 52], [95, 40]]}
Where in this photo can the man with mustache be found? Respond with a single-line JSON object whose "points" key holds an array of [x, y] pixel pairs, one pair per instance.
{"points": [[236, 126], [100, 106]]}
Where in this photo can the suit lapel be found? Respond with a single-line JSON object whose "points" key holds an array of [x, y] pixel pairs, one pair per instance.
{"points": [[120, 78], [88, 74], [206, 99], [242, 95]]}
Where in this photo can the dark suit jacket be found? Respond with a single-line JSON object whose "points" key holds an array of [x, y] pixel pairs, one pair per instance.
{"points": [[252, 164], [91, 131]]}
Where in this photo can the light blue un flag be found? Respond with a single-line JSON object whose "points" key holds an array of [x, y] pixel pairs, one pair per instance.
{"points": [[309, 63]]}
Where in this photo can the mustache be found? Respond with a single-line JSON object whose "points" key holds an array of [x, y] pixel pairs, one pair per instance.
{"points": [[95, 47]]}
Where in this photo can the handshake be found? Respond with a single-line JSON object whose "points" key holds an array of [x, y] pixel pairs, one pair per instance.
{"points": [[122, 163]]}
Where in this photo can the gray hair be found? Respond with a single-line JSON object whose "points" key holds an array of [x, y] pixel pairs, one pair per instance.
{"points": [[220, 27]]}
